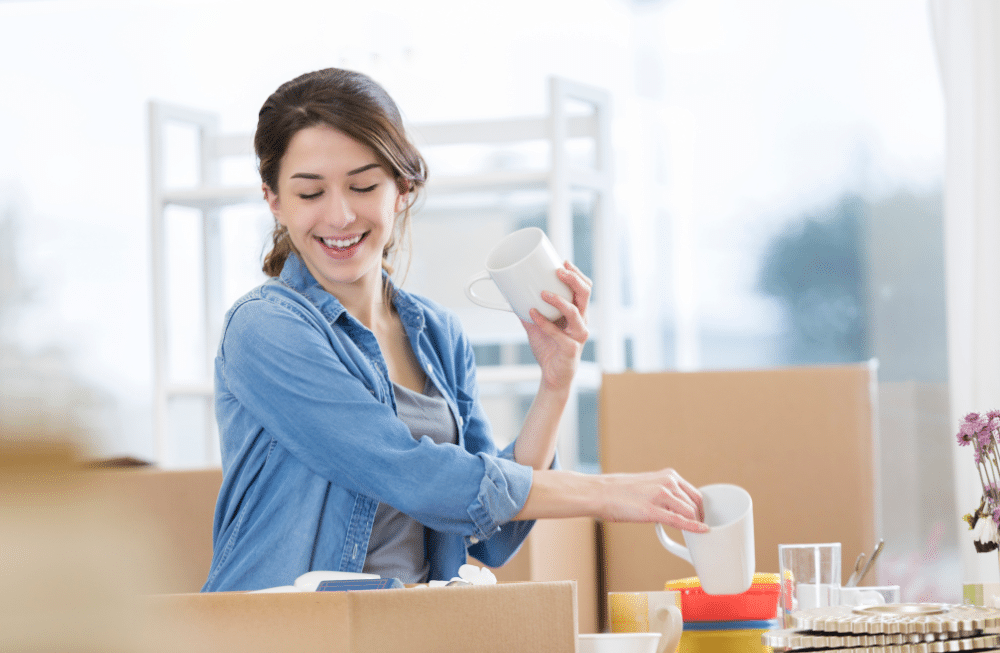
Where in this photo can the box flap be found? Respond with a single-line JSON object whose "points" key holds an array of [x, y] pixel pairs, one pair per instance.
{"points": [[304, 622], [501, 618]]}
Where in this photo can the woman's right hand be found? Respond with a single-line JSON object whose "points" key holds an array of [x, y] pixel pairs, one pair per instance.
{"points": [[663, 496]]}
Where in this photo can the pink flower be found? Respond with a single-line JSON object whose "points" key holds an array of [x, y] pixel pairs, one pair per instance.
{"points": [[964, 435], [983, 431], [966, 432], [978, 427]]}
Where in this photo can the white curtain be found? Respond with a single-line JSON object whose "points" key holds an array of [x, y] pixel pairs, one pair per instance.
{"points": [[967, 35]]}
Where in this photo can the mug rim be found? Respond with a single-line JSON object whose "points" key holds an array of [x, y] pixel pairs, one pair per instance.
{"points": [[745, 508], [535, 232]]}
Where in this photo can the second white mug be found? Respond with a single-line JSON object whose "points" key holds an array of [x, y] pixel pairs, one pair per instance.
{"points": [[723, 557], [648, 612], [522, 265]]}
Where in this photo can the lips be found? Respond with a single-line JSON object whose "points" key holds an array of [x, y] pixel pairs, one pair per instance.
{"points": [[342, 248]]}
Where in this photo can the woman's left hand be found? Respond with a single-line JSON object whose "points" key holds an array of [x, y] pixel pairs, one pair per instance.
{"points": [[557, 345]]}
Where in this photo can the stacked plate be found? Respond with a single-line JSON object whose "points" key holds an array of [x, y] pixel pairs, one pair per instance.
{"points": [[897, 628]]}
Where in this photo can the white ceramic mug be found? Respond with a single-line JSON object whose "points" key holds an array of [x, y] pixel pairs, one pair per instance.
{"points": [[648, 612], [522, 265], [723, 557]]}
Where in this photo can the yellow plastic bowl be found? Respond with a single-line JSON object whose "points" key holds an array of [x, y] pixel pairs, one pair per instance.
{"points": [[724, 641]]}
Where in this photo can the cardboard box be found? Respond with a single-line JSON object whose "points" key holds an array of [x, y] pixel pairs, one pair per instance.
{"points": [[182, 503], [561, 549], [529, 617], [800, 440], [76, 554]]}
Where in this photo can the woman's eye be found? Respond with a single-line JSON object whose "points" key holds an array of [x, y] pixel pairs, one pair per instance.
{"points": [[312, 196], [366, 189]]}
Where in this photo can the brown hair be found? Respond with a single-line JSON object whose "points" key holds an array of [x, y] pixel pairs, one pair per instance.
{"points": [[355, 105]]}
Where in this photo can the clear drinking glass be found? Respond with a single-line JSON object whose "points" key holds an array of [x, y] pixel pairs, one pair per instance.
{"points": [[810, 577]]}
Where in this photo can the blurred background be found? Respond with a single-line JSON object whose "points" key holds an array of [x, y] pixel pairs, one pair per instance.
{"points": [[776, 199]]}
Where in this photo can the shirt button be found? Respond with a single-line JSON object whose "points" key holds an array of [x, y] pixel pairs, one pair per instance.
{"points": [[430, 368], [461, 421], [473, 539]]}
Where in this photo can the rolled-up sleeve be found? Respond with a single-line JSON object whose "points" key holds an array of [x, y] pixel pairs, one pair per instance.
{"points": [[502, 493]]}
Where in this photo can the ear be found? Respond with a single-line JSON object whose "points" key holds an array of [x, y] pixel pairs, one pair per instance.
{"points": [[402, 199], [272, 202]]}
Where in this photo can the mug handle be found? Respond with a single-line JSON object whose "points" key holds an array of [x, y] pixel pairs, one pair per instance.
{"points": [[678, 550], [674, 627], [476, 299]]}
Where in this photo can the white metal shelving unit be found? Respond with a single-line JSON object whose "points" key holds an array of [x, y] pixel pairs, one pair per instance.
{"points": [[559, 179]]}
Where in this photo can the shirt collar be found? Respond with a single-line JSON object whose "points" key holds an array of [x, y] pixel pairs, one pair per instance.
{"points": [[297, 276]]}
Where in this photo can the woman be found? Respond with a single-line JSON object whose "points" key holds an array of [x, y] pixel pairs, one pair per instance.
{"points": [[352, 435]]}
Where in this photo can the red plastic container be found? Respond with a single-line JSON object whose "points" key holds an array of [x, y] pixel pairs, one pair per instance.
{"points": [[758, 603]]}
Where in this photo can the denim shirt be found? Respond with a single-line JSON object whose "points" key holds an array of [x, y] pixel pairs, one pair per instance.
{"points": [[311, 442]]}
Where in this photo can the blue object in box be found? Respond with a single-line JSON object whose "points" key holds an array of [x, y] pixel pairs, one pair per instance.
{"points": [[359, 584]]}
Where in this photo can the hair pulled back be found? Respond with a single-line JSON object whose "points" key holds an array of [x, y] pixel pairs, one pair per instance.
{"points": [[354, 104]]}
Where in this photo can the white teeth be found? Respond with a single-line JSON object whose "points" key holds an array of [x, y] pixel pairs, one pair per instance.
{"points": [[342, 244]]}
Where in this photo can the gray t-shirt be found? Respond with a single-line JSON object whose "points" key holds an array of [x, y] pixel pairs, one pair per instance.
{"points": [[396, 546]]}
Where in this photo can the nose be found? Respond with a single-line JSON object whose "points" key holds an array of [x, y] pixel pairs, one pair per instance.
{"points": [[339, 212]]}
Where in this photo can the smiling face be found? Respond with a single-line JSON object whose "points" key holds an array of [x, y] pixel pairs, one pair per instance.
{"points": [[339, 204]]}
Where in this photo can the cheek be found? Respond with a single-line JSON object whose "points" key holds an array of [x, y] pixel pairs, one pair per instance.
{"points": [[389, 213], [388, 209], [297, 218]]}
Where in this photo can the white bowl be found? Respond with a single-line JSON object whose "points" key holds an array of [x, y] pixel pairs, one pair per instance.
{"points": [[618, 642]]}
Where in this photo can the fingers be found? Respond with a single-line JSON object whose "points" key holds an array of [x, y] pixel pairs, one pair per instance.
{"points": [[573, 270], [683, 523], [694, 495], [683, 501], [579, 283], [571, 323], [662, 496], [573, 319], [678, 501]]}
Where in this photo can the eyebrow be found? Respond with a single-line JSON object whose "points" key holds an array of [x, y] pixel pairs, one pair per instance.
{"points": [[312, 175]]}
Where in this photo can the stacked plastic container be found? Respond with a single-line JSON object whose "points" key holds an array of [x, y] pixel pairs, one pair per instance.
{"points": [[727, 623]]}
